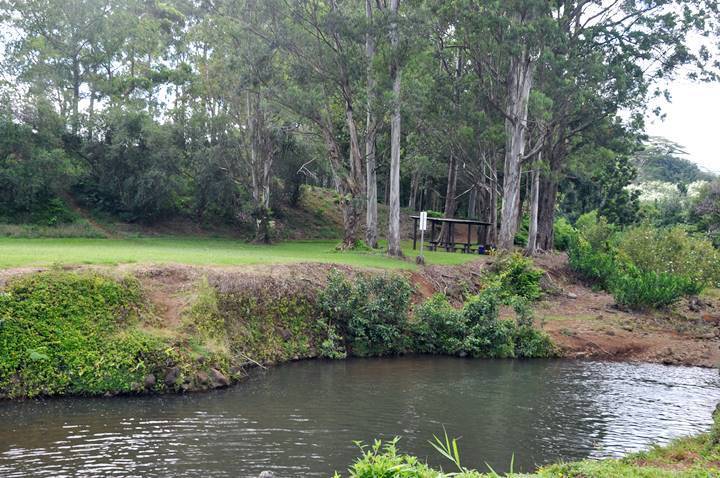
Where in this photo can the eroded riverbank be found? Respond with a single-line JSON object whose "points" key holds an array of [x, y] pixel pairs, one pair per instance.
{"points": [[583, 323]]}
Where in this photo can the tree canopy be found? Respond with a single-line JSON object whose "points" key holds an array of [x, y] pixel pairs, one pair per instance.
{"points": [[220, 111]]}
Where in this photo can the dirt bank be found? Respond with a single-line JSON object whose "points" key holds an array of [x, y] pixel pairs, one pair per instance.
{"points": [[582, 322]]}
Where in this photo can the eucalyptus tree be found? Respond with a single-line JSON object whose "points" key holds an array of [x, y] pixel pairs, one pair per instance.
{"points": [[323, 66], [395, 76], [607, 58]]}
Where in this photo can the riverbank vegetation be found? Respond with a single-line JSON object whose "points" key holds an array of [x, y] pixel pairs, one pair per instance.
{"points": [[642, 266], [66, 333], [691, 457]]}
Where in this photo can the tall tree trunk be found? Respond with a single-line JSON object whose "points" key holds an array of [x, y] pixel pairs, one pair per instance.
{"points": [[450, 193], [348, 188], [371, 217], [534, 205], [518, 86], [395, 74], [414, 187], [548, 198], [262, 151], [76, 96], [473, 203]]}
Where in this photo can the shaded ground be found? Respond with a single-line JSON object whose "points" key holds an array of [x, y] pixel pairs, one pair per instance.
{"points": [[582, 322]]}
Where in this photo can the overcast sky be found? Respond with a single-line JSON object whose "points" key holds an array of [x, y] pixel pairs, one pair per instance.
{"points": [[692, 120]]}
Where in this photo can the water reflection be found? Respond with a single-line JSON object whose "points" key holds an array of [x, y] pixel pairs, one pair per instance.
{"points": [[301, 419]]}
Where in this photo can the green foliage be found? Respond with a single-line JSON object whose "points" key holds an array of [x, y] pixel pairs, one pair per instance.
{"points": [[269, 320], [639, 289], [516, 276], [64, 333], [671, 251], [136, 169], [596, 230], [594, 265], [382, 460], [370, 312], [32, 168], [476, 329], [487, 335], [438, 327], [86, 334], [204, 316], [690, 457], [644, 267], [706, 211], [564, 233]]}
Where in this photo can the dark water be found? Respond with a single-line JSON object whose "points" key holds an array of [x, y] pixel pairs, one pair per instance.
{"points": [[301, 419]]}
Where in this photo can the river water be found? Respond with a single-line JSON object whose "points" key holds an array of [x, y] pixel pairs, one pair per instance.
{"points": [[301, 419]]}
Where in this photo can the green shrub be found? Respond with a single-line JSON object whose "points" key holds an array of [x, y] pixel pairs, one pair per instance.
{"points": [[517, 276], [648, 289], [532, 343], [204, 317], [488, 336], [593, 265], [66, 333], [269, 320], [382, 460], [371, 312], [671, 251], [438, 327], [431, 213], [476, 329], [596, 230], [564, 233]]}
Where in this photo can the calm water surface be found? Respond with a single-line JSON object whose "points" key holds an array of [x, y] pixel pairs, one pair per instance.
{"points": [[301, 419]]}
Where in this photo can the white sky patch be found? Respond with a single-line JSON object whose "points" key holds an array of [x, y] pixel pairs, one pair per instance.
{"points": [[693, 121]]}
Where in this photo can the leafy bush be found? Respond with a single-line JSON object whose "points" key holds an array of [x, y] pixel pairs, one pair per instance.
{"points": [[382, 460], [649, 289], [596, 266], [564, 233], [488, 336], [371, 312], [72, 333], [596, 230], [646, 267], [517, 276], [475, 330], [438, 327], [268, 320], [671, 251]]}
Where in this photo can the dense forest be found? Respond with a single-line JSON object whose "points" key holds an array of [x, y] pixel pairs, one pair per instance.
{"points": [[514, 112]]}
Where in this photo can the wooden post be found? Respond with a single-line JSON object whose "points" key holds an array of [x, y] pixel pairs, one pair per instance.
{"points": [[415, 226], [432, 235], [467, 243]]}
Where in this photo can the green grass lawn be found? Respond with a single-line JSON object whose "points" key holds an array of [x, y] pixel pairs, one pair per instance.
{"points": [[16, 252]]}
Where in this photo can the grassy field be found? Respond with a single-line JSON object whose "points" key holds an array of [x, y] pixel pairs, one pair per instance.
{"points": [[42, 252]]}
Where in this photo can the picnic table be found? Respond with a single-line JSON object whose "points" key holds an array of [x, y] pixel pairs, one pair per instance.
{"points": [[448, 242]]}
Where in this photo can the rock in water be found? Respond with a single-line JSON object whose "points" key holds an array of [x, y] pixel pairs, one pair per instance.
{"points": [[202, 378], [171, 376], [218, 379], [267, 474]]}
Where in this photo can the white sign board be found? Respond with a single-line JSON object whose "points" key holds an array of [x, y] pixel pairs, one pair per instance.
{"points": [[423, 221]]}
